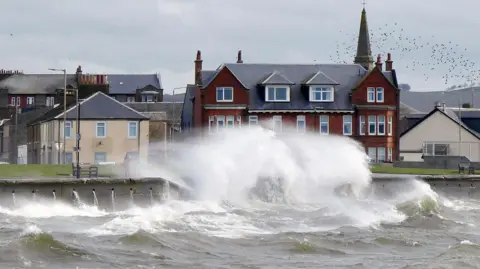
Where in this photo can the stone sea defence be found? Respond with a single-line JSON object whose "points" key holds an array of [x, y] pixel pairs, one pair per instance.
{"points": [[105, 192]]}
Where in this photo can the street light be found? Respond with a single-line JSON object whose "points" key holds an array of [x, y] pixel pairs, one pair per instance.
{"points": [[173, 110], [459, 123], [64, 109]]}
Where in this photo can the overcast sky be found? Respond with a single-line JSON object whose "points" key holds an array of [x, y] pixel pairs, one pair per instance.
{"points": [[125, 36]]}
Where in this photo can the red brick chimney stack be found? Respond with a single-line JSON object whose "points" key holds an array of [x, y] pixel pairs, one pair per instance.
{"points": [[389, 63], [198, 69], [239, 57], [379, 62]]}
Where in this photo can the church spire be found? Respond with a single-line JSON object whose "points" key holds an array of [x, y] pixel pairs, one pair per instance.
{"points": [[364, 52]]}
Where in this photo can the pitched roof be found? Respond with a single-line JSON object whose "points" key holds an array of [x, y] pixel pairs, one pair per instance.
{"points": [[129, 83], [173, 110], [449, 114], [320, 78], [101, 106], [346, 75], [423, 101], [187, 109], [36, 83], [276, 78]]}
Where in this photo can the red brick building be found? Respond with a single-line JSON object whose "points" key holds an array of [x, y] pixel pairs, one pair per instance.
{"points": [[360, 100]]}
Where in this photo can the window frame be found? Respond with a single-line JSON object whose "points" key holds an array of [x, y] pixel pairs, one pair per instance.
{"points": [[350, 122], [230, 119], [322, 89], [327, 124], [301, 118], [222, 89], [276, 119], [382, 91], [69, 127], [381, 123], [362, 125], [372, 123], [275, 87], [390, 125], [371, 90], [104, 127], [136, 129], [252, 120]]}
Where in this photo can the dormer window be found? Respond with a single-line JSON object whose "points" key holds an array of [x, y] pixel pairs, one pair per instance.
{"points": [[277, 94], [321, 94], [224, 94]]}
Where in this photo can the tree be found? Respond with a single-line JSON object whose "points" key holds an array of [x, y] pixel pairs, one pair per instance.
{"points": [[404, 87], [467, 105]]}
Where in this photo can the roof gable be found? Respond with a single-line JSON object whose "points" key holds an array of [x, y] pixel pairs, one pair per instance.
{"points": [[213, 74], [276, 78], [102, 106], [447, 113], [320, 78], [390, 79]]}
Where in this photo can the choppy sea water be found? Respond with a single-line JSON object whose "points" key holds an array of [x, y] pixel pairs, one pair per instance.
{"points": [[414, 228]]}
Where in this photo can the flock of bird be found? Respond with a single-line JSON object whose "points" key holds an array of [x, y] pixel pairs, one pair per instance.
{"points": [[419, 54]]}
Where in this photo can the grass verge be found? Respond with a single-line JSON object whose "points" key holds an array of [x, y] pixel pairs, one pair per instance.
{"points": [[411, 171], [45, 170]]}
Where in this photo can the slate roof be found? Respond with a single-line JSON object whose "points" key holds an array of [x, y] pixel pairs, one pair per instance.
{"points": [[36, 83], [320, 78], [100, 106], [276, 78], [129, 83], [419, 118], [424, 101], [173, 110], [177, 98], [250, 75], [187, 109]]}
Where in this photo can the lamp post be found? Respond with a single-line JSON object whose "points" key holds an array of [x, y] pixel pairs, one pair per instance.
{"points": [[459, 123], [64, 109], [78, 137], [173, 111]]}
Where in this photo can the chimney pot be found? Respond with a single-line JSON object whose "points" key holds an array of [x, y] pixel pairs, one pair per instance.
{"points": [[239, 57], [389, 63], [199, 55], [379, 62], [443, 106]]}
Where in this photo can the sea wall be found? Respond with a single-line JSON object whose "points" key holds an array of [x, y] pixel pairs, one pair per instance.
{"points": [[109, 192]]}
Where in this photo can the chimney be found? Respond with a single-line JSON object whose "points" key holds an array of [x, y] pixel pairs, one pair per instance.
{"points": [[239, 57], [389, 63], [198, 69], [443, 106], [379, 62]]}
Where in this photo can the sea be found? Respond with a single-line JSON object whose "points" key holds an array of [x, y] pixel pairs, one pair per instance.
{"points": [[260, 201]]}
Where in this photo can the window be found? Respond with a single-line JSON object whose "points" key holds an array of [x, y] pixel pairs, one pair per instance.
{"points": [[68, 157], [435, 149], [100, 157], [132, 129], [362, 125], [130, 99], [390, 125], [211, 124], [277, 123], [12, 101], [380, 95], [220, 123], [372, 154], [101, 130], [372, 125], [224, 94], [68, 129], [381, 154], [324, 124], [239, 121], [390, 155], [50, 101], [347, 124], [371, 95], [381, 125], [277, 94], [148, 98], [30, 100], [252, 120], [230, 121], [301, 124], [321, 94], [18, 100]]}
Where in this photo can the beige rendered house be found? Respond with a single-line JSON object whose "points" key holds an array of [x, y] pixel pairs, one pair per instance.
{"points": [[108, 131], [440, 133]]}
